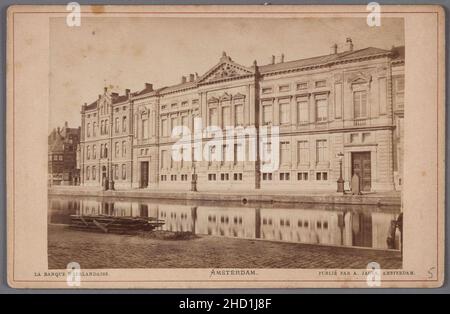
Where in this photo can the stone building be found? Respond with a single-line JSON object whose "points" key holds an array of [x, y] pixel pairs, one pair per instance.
{"points": [[343, 107], [62, 148]]}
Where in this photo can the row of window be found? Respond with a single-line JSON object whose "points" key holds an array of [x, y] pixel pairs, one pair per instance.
{"points": [[360, 103], [183, 104], [300, 223], [303, 153], [225, 219], [56, 157], [104, 150], [225, 177], [104, 127], [301, 176], [298, 86], [91, 172], [360, 111]]}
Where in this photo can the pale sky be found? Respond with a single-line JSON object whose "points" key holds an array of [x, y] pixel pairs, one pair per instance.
{"points": [[127, 52]]}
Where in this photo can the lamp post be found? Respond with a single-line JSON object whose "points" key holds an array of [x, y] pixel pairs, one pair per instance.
{"points": [[340, 181], [194, 175]]}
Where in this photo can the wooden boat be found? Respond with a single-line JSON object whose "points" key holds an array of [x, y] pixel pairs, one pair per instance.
{"points": [[114, 224]]}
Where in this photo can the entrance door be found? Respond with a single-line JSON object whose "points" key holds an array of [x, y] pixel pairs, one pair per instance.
{"points": [[362, 167], [144, 174]]}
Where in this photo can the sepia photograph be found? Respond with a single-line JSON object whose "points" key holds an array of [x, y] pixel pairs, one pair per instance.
{"points": [[238, 149], [226, 147]]}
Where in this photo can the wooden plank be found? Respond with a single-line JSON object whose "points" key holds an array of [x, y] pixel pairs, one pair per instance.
{"points": [[100, 226]]}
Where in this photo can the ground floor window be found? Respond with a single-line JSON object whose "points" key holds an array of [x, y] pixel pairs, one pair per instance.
{"points": [[173, 177], [237, 177], [267, 177], [163, 177], [321, 176], [184, 177], [224, 177], [302, 176], [212, 177], [285, 176]]}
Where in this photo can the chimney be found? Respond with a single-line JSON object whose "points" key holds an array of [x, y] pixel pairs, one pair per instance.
{"points": [[191, 77], [127, 92], [183, 79], [273, 59], [282, 58], [349, 44], [99, 96], [66, 124], [149, 86], [334, 49], [105, 89], [114, 94]]}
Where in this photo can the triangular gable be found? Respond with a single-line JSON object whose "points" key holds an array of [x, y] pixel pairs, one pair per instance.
{"points": [[225, 69]]}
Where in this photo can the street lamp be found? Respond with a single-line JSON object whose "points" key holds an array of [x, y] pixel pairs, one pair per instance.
{"points": [[340, 181], [194, 175]]}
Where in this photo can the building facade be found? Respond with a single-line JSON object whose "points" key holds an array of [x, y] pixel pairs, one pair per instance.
{"points": [[62, 156], [344, 108]]}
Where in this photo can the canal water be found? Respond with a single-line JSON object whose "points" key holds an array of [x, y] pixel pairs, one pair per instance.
{"points": [[322, 224]]}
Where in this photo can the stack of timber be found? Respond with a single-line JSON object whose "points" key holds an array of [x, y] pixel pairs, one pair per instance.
{"points": [[114, 224]]}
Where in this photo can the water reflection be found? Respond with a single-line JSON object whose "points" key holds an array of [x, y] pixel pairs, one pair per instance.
{"points": [[341, 225]]}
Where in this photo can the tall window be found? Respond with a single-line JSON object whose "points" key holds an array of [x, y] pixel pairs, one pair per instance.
{"points": [[116, 149], [185, 121], [321, 110], [88, 172], [102, 148], [124, 172], [94, 129], [303, 152], [163, 159], [124, 124], [88, 152], [116, 127], [94, 172], [213, 117], [302, 112], [164, 129], [285, 112], [285, 151], [173, 123], [267, 114], [116, 172], [124, 148], [145, 128], [226, 116], [94, 151], [105, 153], [321, 151], [102, 127], [88, 130], [360, 104], [399, 91], [239, 115]]}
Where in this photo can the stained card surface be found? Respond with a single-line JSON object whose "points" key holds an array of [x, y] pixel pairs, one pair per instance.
{"points": [[225, 146]]}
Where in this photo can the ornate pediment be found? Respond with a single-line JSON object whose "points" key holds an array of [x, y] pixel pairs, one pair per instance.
{"points": [[360, 78], [225, 69]]}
